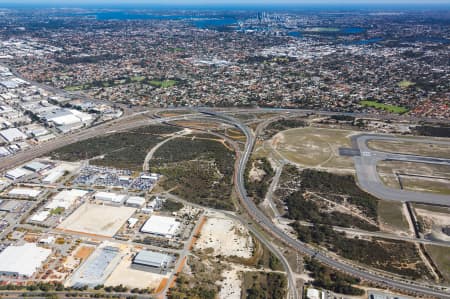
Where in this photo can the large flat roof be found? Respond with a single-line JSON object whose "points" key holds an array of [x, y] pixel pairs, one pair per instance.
{"points": [[150, 258], [28, 192], [23, 260], [12, 134], [161, 225], [97, 267]]}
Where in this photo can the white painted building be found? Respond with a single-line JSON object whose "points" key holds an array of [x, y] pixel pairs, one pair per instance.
{"points": [[22, 261], [110, 197], [161, 226], [135, 201], [13, 134]]}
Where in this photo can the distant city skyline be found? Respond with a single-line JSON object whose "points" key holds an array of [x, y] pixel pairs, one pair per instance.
{"points": [[225, 2]]}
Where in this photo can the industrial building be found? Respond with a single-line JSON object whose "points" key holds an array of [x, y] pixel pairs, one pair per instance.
{"points": [[149, 259], [9, 206], [53, 177], [16, 173], [161, 226], [66, 119], [4, 151], [135, 201], [40, 216], [36, 166], [97, 267], [110, 197], [24, 192], [314, 294], [65, 199], [22, 261], [13, 134]]}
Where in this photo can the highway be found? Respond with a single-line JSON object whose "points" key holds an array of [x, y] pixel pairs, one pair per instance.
{"points": [[369, 180], [269, 226], [137, 120], [125, 123]]}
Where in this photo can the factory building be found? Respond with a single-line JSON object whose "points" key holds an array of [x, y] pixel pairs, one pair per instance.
{"points": [[16, 173], [161, 226], [13, 134], [135, 201], [22, 261], [36, 166], [110, 197], [97, 267], [146, 260], [53, 177], [24, 192]]}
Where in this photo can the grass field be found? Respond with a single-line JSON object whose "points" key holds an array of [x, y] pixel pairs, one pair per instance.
{"points": [[314, 147], [437, 178], [412, 148], [426, 185], [390, 214], [441, 258], [386, 107], [163, 84], [137, 78], [406, 84]]}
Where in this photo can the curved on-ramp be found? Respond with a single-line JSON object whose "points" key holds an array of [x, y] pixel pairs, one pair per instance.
{"points": [[270, 227]]}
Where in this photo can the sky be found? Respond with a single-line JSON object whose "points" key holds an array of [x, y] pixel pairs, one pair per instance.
{"points": [[222, 2]]}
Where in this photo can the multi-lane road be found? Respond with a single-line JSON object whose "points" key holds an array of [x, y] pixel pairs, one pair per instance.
{"points": [[140, 119], [270, 227], [370, 181]]}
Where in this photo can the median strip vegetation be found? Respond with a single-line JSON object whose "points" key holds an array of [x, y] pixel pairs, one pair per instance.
{"points": [[258, 175], [385, 107], [329, 279], [198, 168], [259, 285], [379, 253], [121, 150]]}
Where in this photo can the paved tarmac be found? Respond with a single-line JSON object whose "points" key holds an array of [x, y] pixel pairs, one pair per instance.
{"points": [[369, 180]]}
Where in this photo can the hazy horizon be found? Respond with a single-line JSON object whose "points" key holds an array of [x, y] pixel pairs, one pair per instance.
{"points": [[224, 3]]}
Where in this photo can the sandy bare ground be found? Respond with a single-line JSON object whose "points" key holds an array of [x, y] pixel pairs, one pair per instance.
{"points": [[225, 237], [96, 219], [436, 218], [132, 278], [434, 222], [230, 287]]}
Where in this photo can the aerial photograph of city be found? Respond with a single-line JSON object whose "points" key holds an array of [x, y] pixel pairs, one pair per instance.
{"points": [[213, 149]]}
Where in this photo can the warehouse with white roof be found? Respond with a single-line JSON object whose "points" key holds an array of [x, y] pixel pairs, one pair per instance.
{"points": [[150, 259], [65, 199], [161, 226], [12, 134], [22, 261], [135, 201], [24, 192], [110, 197], [17, 173]]}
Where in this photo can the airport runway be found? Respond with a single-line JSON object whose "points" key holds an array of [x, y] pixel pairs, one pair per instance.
{"points": [[352, 269], [369, 180], [263, 221]]}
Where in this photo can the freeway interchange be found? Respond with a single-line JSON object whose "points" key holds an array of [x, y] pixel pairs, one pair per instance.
{"points": [[275, 231], [367, 179]]}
